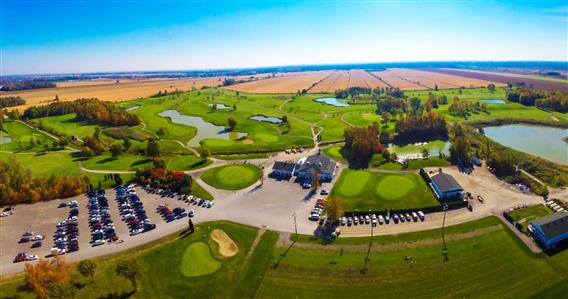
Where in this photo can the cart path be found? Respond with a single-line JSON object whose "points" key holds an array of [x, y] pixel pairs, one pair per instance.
{"points": [[259, 234]]}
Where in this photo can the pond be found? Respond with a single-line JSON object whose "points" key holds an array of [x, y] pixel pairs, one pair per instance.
{"points": [[220, 106], [274, 120], [414, 150], [492, 101], [4, 138], [332, 101], [204, 129], [542, 141]]}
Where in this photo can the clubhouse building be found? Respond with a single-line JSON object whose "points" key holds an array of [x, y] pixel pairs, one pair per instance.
{"points": [[446, 187], [317, 164], [550, 230]]}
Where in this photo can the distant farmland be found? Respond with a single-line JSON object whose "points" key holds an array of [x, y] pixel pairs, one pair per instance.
{"points": [[443, 81], [283, 83], [110, 92], [503, 78]]}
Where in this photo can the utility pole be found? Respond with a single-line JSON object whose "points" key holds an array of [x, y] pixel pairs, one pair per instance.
{"points": [[445, 249], [365, 268], [295, 225]]}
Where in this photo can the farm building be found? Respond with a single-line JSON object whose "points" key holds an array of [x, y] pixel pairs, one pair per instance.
{"points": [[550, 230], [446, 187], [318, 164], [283, 170]]}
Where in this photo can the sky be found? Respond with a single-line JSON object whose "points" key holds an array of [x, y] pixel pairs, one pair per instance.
{"points": [[76, 36]]}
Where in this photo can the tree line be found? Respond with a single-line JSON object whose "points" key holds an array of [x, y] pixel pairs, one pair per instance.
{"points": [[554, 100], [427, 126], [173, 180], [6, 85], [362, 143], [18, 186], [90, 110], [11, 101]]}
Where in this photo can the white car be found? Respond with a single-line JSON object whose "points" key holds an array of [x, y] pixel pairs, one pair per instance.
{"points": [[381, 219], [99, 242], [136, 231], [32, 257], [5, 214], [38, 238]]}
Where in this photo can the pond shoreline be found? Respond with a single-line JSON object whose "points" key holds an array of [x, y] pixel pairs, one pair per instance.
{"points": [[514, 121]]}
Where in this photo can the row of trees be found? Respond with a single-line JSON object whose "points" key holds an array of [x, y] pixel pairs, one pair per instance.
{"points": [[11, 101], [90, 110], [18, 186], [555, 100], [362, 143], [430, 125], [7, 85]]}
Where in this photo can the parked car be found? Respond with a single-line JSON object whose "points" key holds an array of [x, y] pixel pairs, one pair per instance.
{"points": [[421, 215], [481, 200], [324, 192], [21, 257]]}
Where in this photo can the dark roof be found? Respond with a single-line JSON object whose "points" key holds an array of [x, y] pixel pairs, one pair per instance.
{"points": [[318, 163], [446, 182], [553, 225], [284, 166]]}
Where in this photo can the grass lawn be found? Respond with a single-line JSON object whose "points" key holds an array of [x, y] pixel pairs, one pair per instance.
{"points": [[390, 166], [232, 177], [334, 152], [523, 216], [430, 162], [20, 136], [365, 190], [243, 156], [133, 162], [491, 265]]}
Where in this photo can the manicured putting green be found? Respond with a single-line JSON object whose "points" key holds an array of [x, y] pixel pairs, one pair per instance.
{"points": [[357, 181], [395, 187], [197, 261], [232, 177]]}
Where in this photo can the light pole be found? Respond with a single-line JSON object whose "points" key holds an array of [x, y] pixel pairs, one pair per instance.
{"points": [[445, 249], [365, 268], [295, 225]]}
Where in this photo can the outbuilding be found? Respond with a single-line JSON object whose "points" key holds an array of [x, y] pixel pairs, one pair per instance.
{"points": [[446, 187], [283, 170], [550, 230]]}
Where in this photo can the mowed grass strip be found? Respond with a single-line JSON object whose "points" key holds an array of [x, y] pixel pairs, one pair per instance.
{"points": [[232, 177], [197, 260], [365, 190]]}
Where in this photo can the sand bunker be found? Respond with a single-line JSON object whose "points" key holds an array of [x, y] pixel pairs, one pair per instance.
{"points": [[248, 141], [227, 246]]}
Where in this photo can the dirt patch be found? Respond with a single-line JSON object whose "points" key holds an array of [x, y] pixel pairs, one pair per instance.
{"points": [[248, 141], [227, 247]]}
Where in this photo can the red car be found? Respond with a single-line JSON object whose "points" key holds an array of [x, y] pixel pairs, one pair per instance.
{"points": [[21, 257]]}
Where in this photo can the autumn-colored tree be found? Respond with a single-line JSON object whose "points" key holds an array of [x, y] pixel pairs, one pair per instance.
{"points": [[315, 181], [333, 208], [130, 270], [40, 275], [153, 149], [385, 116]]}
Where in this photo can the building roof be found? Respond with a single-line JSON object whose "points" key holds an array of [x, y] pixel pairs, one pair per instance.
{"points": [[553, 225], [284, 166], [318, 163], [446, 183]]}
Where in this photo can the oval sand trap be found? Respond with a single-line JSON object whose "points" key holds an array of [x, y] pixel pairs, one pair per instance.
{"points": [[197, 261], [227, 247]]}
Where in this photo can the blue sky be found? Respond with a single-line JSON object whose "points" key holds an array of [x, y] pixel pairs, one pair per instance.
{"points": [[86, 36]]}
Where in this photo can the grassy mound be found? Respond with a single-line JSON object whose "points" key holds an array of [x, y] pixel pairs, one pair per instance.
{"points": [[197, 261], [232, 177], [365, 190]]}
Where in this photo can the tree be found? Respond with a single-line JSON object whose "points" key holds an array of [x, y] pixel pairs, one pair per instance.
{"points": [[425, 153], [126, 143], [204, 153], [231, 123], [161, 132], [284, 119], [153, 149], [315, 181], [333, 208], [130, 270], [1, 120], [43, 273], [491, 87], [115, 150], [61, 290], [87, 269], [159, 163], [385, 116]]}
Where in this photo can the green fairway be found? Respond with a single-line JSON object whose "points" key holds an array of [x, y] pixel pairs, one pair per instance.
{"points": [[232, 177], [365, 190], [430, 162], [334, 152], [197, 260], [21, 137], [133, 162]]}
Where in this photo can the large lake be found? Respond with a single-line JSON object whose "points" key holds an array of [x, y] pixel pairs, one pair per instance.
{"points": [[204, 129], [545, 142]]}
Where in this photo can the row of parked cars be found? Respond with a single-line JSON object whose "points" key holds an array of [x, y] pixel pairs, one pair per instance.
{"points": [[100, 220], [66, 236], [170, 215], [374, 219], [132, 210], [28, 236], [197, 201], [316, 213]]}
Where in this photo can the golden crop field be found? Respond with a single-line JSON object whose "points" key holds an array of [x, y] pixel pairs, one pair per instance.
{"points": [[283, 83], [431, 79], [392, 78], [111, 92], [362, 78], [337, 80]]}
